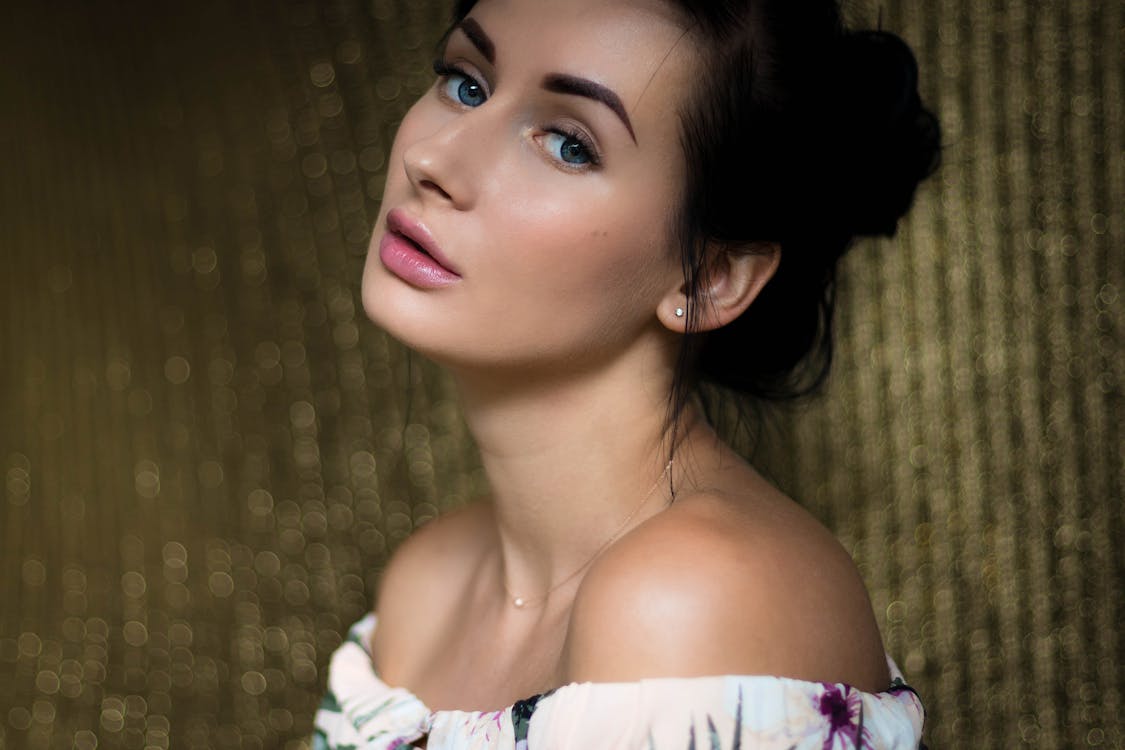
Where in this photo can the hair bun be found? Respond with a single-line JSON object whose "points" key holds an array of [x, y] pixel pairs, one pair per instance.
{"points": [[889, 141]]}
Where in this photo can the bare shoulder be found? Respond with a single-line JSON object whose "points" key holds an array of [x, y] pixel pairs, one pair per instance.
{"points": [[426, 572], [726, 583]]}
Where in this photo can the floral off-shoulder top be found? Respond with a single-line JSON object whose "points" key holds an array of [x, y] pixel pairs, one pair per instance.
{"points": [[729, 712]]}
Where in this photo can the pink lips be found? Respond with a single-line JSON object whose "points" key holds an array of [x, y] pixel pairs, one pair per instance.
{"points": [[409, 251]]}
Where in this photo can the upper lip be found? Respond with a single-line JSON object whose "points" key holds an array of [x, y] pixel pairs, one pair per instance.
{"points": [[399, 222]]}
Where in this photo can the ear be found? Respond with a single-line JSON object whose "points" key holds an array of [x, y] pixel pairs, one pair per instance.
{"points": [[733, 279]]}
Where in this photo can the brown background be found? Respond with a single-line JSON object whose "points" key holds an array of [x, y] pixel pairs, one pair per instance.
{"points": [[207, 451]]}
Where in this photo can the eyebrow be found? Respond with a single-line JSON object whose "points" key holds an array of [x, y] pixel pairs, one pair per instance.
{"points": [[560, 83], [479, 39]]}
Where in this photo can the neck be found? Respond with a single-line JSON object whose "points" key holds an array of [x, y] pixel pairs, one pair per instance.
{"points": [[568, 461]]}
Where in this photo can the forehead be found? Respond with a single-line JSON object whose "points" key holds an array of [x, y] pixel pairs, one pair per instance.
{"points": [[637, 47]]}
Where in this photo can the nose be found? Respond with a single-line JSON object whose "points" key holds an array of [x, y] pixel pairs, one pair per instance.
{"points": [[438, 165]]}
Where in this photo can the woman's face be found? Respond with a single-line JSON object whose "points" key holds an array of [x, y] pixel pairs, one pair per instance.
{"points": [[540, 172]]}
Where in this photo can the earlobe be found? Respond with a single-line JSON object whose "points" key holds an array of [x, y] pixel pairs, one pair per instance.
{"points": [[673, 311]]}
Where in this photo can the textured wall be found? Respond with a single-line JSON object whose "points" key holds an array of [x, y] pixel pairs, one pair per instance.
{"points": [[203, 444]]}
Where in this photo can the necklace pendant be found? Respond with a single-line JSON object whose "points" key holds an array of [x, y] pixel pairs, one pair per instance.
{"points": [[518, 602]]}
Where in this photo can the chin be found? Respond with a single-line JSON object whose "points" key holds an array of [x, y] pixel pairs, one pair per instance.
{"points": [[384, 307], [405, 314]]}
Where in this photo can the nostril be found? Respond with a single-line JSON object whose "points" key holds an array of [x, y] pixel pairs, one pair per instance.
{"points": [[431, 185]]}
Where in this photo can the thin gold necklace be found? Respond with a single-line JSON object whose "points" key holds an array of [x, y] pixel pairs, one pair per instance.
{"points": [[521, 602]]}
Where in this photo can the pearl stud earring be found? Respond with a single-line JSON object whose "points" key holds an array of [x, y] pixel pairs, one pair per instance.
{"points": [[679, 312]]}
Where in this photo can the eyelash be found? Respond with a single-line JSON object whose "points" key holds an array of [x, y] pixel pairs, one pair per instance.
{"points": [[444, 70]]}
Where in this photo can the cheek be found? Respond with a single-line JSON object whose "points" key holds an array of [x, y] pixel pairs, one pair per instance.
{"points": [[599, 256]]}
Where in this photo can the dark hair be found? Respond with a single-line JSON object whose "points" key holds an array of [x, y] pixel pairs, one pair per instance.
{"points": [[803, 134]]}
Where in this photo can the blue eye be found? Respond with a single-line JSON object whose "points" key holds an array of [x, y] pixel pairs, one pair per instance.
{"points": [[460, 87], [571, 148], [469, 92]]}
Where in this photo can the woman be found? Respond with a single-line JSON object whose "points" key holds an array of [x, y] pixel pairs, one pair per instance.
{"points": [[596, 208]]}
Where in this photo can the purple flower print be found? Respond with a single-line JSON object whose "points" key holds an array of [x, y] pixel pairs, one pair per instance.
{"points": [[843, 708]]}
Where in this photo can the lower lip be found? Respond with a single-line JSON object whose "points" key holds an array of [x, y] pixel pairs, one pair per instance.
{"points": [[403, 259]]}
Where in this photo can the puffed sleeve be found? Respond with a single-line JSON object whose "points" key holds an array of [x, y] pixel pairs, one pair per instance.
{"points": [[726, 713]]}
